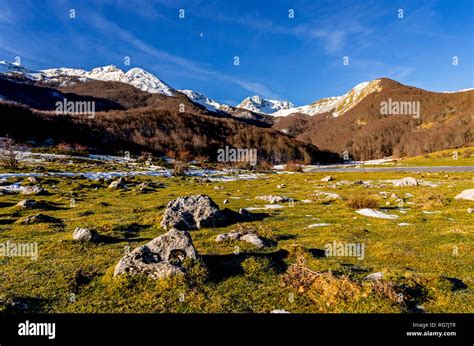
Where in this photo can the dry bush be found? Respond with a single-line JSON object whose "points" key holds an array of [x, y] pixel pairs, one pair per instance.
{"points": [[293, 167], [9, 158], [434, 200], [179, 168], [362, 201]]}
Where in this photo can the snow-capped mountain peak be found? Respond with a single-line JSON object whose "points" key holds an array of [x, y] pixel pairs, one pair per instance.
{"points": [[258, 104], [137, 77], [203, 100], [336, 105]]}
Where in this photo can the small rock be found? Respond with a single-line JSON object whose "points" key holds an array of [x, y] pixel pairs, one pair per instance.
{"points": [[28, 204], [281, 186], [218, 187], [32, 180], [327, 178], [38, 218], [227, 236], [470, 210], [33, 190], [394, 196], [273, 199], [118, 184], [225, 201], [85, 235], [466, 194], [253, 239], [279, 312], [407, 181], [374, 276]]}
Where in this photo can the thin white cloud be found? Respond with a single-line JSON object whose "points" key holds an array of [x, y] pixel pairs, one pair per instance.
{"points": [[195, 70]]}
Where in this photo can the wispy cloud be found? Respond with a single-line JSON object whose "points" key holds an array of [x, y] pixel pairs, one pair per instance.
{"points": [[192, 68]]}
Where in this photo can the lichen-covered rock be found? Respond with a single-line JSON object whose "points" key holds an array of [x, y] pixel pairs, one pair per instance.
{"points": [[29, 204], [33, 190], [246, 235], [192, 212], [273, 199], [407, 181], [160, 258], [38, 218], [118, 184], [85, 235], [327, 178]]}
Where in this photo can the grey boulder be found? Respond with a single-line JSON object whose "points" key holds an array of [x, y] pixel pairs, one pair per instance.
{"points": [[85, 235], [192, 212], [160, 258]]}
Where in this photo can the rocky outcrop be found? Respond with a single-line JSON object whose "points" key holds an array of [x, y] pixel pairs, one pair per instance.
{"points": [[160, 258], [192, 212]]}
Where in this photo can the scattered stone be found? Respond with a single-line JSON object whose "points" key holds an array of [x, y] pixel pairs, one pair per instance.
{"points": [[218, 187], [33, 190], [143, 187], [38, 218], [160, 258], [281, 186], [327, 178], [85, 235], [328, 195], [409, 195], [470, 210], [466, 194], [29, 204], [227, 236], [402, 224], [273, 199], [192, 212], [407, 181], [383, 194], [358, 182], [254, 240], [32, 180], [394, 196], [246, 235], [225, 201], [375, 276], [118, 184], [279, 312], [376, 213]]}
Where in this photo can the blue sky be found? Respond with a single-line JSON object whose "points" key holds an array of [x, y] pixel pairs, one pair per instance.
{"points": [[299, 59]]}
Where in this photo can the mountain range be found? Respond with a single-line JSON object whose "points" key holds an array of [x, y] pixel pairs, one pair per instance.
{"points": [[351, 124]]}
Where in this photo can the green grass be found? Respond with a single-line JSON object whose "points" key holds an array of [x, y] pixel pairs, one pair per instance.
{"points": [[415, 258], [451, 157]]}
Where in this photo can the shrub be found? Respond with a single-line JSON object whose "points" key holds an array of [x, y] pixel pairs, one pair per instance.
{"points": [[9, 157], [431, 201], [362, 201], [293, 167], [179, 168]]}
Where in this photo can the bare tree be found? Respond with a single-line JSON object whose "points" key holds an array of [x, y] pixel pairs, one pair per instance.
{"points": [[8, 157]]}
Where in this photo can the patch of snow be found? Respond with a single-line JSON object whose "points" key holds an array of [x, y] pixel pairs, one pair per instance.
{"points": [[375, 213], [319, 225], [258, 104]]}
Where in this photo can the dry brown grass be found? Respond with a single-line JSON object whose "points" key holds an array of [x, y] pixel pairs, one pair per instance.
{"points": [[362, 201]]}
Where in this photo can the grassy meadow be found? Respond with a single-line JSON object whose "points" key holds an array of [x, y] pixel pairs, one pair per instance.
{"points": [[425, 254]]}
